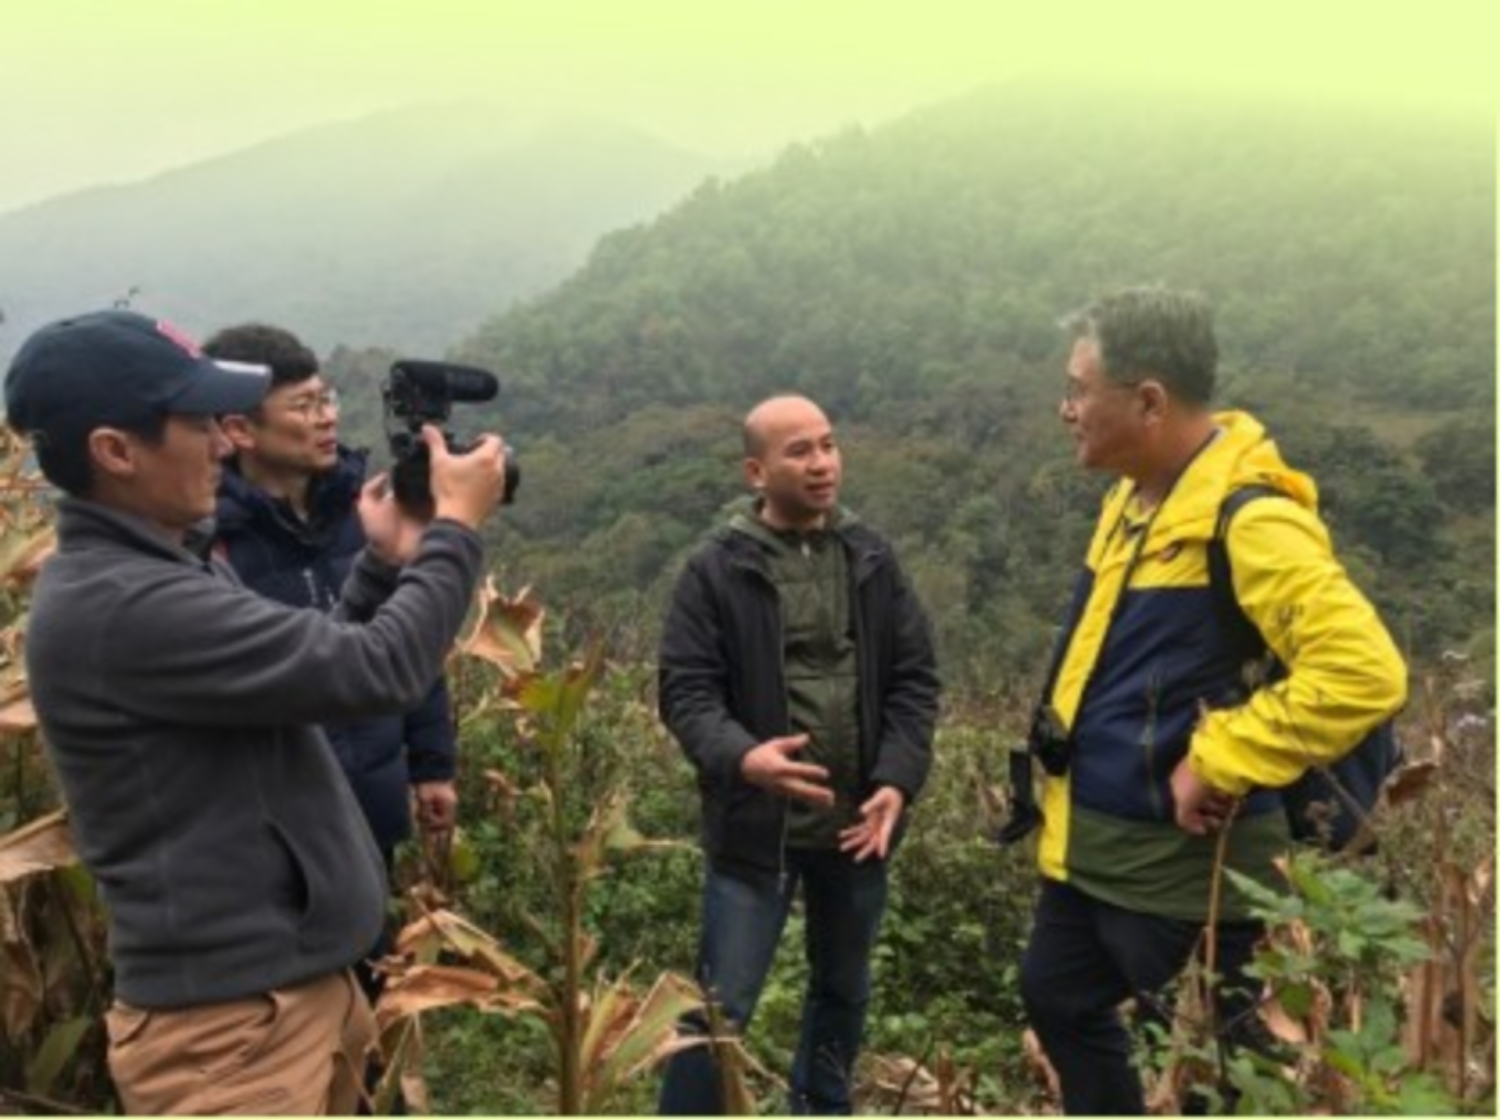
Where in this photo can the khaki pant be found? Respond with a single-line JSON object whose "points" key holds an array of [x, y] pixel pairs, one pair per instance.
{"points": [[292, 1051]]}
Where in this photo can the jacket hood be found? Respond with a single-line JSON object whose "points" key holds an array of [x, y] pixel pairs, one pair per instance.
{"points": [[241, 503], [744, 518]]}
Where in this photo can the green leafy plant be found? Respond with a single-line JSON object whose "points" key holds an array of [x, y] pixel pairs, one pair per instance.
{"points": [[1336, 954], [602, 1030], [54, 974], [1372, 967]]}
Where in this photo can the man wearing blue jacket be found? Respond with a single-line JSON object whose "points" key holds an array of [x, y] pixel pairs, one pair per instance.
{"points": [[286, 522], [1160, 757], [181, 713]]}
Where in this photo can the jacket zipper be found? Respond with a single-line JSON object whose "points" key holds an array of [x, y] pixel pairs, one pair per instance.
{"points": [[1148, 740], [783, 877], [862, 565]]}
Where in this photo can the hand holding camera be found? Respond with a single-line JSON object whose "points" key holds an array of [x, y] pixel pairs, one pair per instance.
{"points": [[465, 488], [389, 533]]}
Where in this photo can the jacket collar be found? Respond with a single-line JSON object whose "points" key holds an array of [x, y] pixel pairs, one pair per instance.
{"points": [[242, 504], [82, 524], [747, 548], [1243, 455]]}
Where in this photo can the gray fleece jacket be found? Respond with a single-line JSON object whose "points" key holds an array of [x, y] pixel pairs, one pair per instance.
{"points": [[179, 710]]}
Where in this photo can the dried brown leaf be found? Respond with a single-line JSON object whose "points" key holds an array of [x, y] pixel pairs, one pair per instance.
{"points": [[21, 988], [502, 786], [993, 800], [1031, 1046], [507, 632], [1283, 1026], [41, 845], [414, 1089], [17, 717], [469, 941], [1422, 991], [1482, 881], [21, 556], [402, 1083], [905, 1081], [1409, 782], [427, 987], [604, 1014], [649, 1033]]}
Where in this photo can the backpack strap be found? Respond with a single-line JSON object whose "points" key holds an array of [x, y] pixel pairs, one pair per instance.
{"points": [[1350, 785], [1242, 632]]}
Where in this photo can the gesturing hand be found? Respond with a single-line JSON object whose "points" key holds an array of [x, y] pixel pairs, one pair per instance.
{"points": [[769, 766], [878, 817]]}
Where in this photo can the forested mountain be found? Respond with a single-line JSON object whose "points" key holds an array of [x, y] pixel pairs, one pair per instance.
{"points": [[911, 279], [405, 228], [1356, 253]]}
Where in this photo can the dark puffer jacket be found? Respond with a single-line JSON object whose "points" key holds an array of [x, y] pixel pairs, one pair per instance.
{"points": [[723, 689], [304, 564]]}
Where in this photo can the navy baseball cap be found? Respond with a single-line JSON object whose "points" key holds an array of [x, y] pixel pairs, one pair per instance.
{"points": [[117, 368]]}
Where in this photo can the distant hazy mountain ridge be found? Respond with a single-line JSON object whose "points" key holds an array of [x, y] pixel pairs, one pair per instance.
{"points": [[404, 229]]}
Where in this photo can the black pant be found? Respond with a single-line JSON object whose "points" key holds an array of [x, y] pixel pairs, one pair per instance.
{"points": [[1084, 958]]}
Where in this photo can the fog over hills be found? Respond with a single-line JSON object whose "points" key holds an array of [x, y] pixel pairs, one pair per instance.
{"points": [[403, 229], [1349, 252], [911, 277]]}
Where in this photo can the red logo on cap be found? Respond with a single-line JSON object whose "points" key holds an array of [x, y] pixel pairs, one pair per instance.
{"points": [[179, 336]]}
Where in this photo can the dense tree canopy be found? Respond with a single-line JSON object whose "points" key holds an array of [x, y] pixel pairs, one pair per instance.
{"points": [[911, 279]]}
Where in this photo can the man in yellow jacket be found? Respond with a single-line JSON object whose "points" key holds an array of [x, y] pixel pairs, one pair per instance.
{"points": [[1152, 745]]}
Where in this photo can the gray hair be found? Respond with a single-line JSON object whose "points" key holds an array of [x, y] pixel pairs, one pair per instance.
{"points": [[1153, 332]]}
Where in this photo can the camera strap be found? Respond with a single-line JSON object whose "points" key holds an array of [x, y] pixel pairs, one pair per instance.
{"points": [[1025, 813]]}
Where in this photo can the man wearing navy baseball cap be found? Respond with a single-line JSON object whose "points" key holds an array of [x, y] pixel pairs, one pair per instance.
{"points": [[180, 710]]}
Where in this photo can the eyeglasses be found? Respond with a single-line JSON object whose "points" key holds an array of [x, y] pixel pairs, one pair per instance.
{"points": [[1075, 391], [308, 408]]}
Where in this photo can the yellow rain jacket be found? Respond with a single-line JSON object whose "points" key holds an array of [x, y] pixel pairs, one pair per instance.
{"points": [[1149, 675]]}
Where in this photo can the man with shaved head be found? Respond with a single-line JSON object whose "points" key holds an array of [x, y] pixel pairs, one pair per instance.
{"points": [[797, 673]]}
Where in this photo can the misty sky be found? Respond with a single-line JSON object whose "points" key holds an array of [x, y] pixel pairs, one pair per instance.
{"points": [[105, 91]]}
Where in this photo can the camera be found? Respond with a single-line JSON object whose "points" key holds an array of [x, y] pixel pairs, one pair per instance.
{"points": [[1049, 741], [420, 392]]}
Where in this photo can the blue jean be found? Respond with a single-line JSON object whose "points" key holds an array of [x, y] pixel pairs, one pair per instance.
{"points": [[742, 923]]}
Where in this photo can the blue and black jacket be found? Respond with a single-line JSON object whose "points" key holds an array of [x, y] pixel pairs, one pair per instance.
{"points": [[1150, 675]]}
